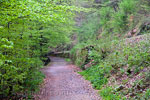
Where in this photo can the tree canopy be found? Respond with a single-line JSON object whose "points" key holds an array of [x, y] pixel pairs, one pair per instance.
{"points": [[28, 31]]}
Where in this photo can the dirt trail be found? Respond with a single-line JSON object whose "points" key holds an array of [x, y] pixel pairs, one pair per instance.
{"points": [[63, 83]]}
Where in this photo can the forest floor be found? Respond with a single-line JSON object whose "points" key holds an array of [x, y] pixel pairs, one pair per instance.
{"points": [[62, 82]]}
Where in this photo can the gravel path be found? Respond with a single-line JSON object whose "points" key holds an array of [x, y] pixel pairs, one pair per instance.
{"points": [[63, 83]]}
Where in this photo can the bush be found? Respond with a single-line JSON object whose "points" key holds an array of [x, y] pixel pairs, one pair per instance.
{"points": [[105, 16], [119, 21], [128, 6], [120, 18], [14, 72]]}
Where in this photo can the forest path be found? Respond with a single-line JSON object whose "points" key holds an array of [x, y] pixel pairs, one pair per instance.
{"points": [[62, 82]]}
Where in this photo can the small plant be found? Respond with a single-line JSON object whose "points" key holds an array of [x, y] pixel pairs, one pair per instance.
{"points": [[109, 94], [122, 70], [68, 60], [125, 81]]}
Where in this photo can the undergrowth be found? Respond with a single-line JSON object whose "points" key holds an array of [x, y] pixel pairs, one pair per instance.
{"points": [[118, 67], [135, 57]]}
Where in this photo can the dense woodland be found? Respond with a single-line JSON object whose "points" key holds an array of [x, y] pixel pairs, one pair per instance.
{"points": [[108, 39], [29, 29]]}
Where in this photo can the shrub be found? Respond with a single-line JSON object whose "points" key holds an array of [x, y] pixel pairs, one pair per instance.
{"points": [[105, 16], [119, 21], [120, 18], [128, 6]]}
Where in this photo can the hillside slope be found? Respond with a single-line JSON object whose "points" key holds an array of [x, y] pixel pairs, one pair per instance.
{"points": [[113, 49]]}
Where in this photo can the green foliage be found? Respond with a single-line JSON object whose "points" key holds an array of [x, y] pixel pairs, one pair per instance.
{"points": [[144, 96], [89, 27], [139, 59], [147, 94], [115, 57], [68, 60], [117, 19], [76, 54], [29, 30], [105, 16], [120, 18], [128, 6], [96, 74], [109, 94]]}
